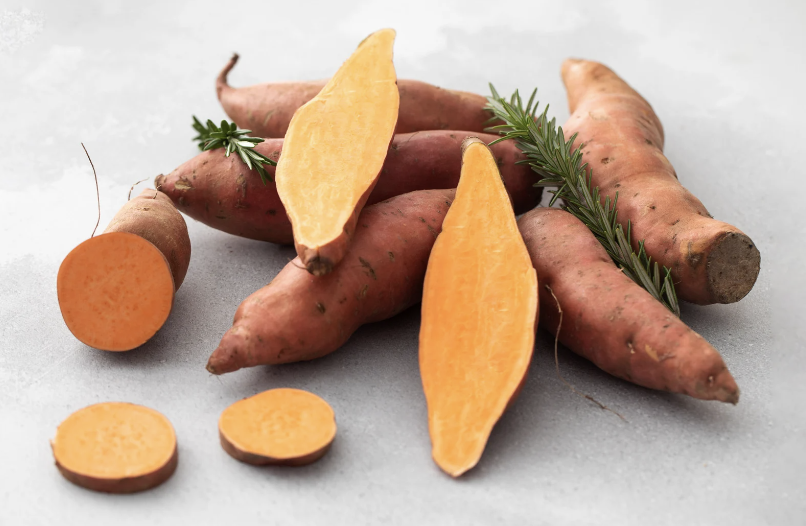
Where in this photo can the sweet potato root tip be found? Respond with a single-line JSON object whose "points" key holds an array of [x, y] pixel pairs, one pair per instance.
{"points": [[302, 317], [324, 178], [115, 291], [615, 323], [711, 261], [479, 311], [221, 80], [288, 427], [116, 447], [232, 353]]}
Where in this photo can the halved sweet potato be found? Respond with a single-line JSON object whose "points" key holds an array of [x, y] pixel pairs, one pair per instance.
{"points": [[117, 289], [478, 315], [334, 150]]}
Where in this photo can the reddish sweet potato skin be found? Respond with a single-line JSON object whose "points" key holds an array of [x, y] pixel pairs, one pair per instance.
{"points": [[222, 193], [299, 316], [260, 460], [266, 109], [610, 320], [711, 261], [152, 216], [124, 485]]}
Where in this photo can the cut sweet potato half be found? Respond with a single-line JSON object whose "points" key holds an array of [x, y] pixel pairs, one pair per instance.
{"points": [[478, 315], [115, 291], [287, 427], [116, 447], [334, 150]]}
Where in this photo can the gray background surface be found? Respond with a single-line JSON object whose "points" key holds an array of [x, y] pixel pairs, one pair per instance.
{"points": [[125, 77]]}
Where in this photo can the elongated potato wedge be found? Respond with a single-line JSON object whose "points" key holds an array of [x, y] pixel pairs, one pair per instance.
{"points": [[478, 315], [334, 150]]}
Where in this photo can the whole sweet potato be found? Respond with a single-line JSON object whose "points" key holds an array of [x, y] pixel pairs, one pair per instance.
{"points": [[612, 321], [711, 261], [299, 316], [266, 109], [222, 193]]}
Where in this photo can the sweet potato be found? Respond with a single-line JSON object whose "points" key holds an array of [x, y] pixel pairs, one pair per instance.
{"points": [[116, 290], [153, 216], [334, 150], [266, 109], [711, 261], [116, 447], [286, 427], [301, 317], [222, 193], [612, 321], [478, 315]]}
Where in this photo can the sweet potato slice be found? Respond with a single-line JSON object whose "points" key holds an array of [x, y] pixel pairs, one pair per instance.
{"points": [[478, 315], [116, 447], [288, 427], [612, 321], [117, 289], [334, 150], [711, 261]]}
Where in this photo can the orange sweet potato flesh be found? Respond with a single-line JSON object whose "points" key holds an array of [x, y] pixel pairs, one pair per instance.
{"points": [[711, 261], [116, 289], [334, 150], [478, 315], [301, 317], [266, 109], [116, 447], [222, 193], [287, 427], [610, 320]]}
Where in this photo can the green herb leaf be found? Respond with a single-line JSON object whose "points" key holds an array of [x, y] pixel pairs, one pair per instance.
{"points": [[552, 157], [229, 137]]}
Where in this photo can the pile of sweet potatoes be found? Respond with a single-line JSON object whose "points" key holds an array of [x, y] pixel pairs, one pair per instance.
{"points": [[366, 214]]}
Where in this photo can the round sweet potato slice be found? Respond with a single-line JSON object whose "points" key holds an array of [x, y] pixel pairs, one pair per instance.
{"points": [[288, 427], [116, 447], [115, 291]]}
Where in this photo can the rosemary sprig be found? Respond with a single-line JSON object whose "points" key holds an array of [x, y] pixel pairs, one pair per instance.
{"points": [[550, 155], [228, 136]]}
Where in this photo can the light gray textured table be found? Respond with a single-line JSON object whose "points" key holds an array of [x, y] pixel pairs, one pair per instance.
{"points": [[125, 77]]}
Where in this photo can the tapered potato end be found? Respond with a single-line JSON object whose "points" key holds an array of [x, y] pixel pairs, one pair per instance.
{"points": [[116, 447], [286, 427], [115, 291]]}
